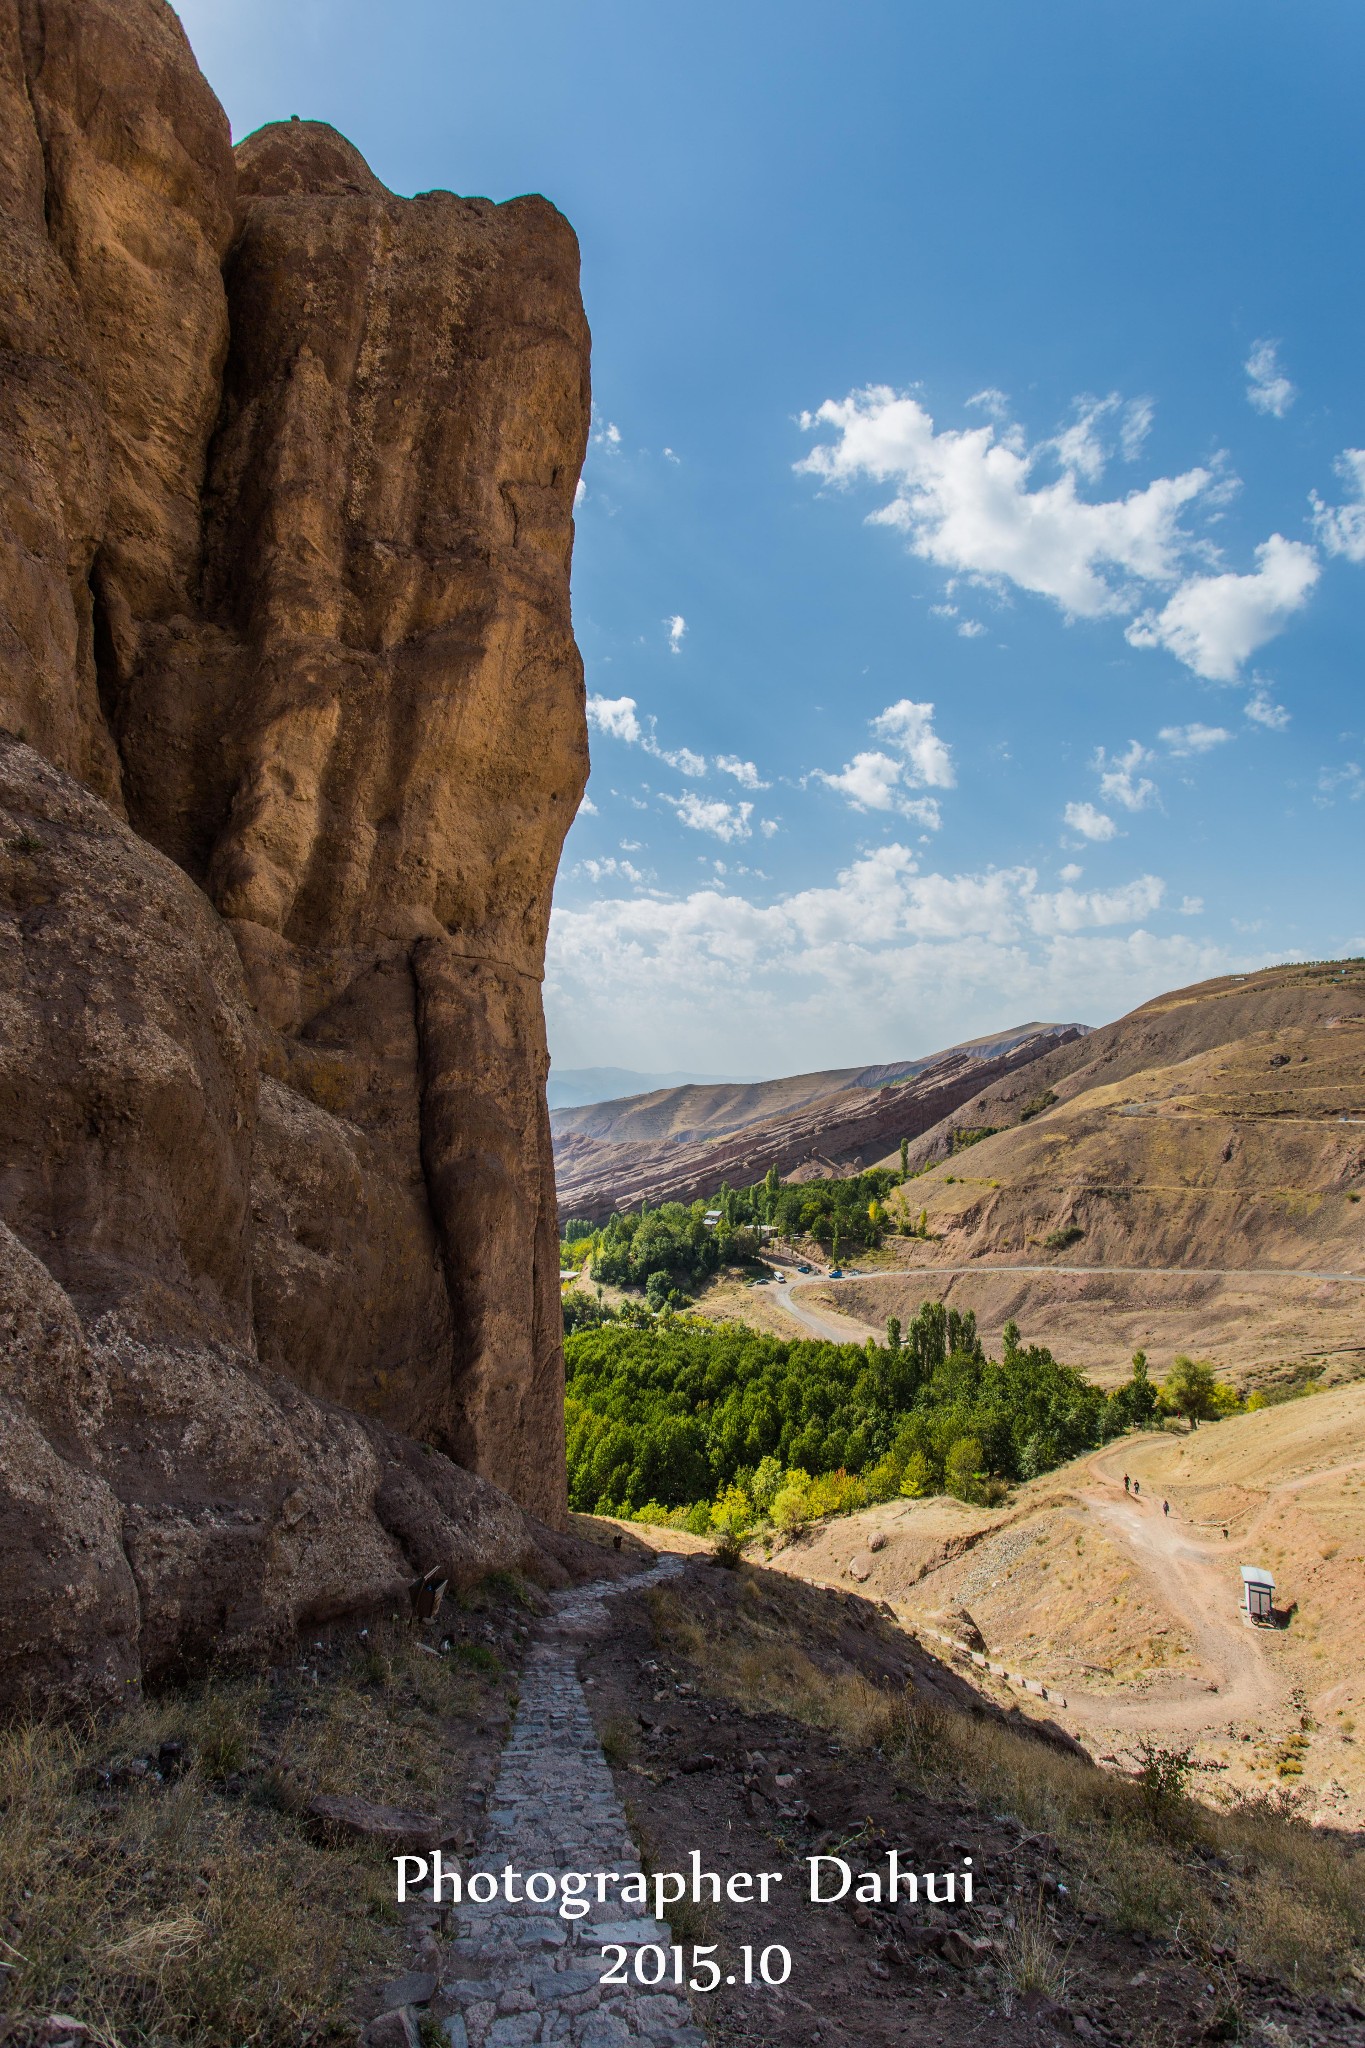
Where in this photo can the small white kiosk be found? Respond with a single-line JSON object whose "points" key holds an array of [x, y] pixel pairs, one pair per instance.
{"points": [[1258, 1595]]}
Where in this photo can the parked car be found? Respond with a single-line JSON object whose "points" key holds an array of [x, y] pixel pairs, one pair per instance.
{"points": [[836, 1272], [802, 1267]]}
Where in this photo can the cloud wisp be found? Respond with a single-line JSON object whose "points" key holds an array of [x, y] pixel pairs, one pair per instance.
{"points": [[619, 718], [1268, 389], [1341, 528]]}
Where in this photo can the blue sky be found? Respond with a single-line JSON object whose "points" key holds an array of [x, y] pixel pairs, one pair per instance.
{"points": [[971, 551]]}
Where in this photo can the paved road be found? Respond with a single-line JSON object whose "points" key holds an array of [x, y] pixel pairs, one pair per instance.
{"points": [[1180, 1272], [834, 1329]]}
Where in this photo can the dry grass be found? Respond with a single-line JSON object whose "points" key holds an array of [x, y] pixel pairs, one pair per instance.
{"points": [[1032, 1959], [177, 1896], [1254, 1876]]}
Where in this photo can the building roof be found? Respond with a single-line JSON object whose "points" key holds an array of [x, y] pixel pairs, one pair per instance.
{"points": [[1257, 1575]]}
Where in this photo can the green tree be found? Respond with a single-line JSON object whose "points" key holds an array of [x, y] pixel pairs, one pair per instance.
{"points": [[962, 1467], [905, 1160], [1190, 1389], [766, 1481], [893, 1334], [918, 1477]]}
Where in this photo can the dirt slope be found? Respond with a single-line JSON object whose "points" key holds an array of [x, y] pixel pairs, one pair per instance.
{"points": [[1130, 1616]]}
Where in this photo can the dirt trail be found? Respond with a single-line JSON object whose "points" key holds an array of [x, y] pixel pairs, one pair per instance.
{"points": [[1195, 1575]]}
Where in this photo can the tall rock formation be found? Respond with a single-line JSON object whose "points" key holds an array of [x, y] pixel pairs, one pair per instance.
{"points": [[292, 731]]}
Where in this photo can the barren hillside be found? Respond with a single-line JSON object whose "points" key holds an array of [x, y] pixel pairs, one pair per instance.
{"points": [[1194, 1182], [678, 1143]]}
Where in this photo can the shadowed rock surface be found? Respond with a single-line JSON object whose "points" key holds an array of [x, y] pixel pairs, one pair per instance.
{"points": [[294, 730]]}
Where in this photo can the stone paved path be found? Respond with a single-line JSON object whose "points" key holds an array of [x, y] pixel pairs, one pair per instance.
{"points": [[520, 1973]]}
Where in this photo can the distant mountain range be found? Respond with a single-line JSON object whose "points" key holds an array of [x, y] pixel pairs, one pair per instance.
{"points": [[677, 1142], [570, 1087]]}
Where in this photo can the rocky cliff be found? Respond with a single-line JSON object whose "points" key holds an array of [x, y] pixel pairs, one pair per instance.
{"points": [[291, 731]]}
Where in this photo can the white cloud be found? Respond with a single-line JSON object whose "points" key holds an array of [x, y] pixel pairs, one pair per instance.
{"points": [[876, 781], [979, 503], [1193, 739], [710, 814], [607, 433], [1261, 709], [943, 611], [580, 492], [669, 456], [1089, 822], [1191, 906], [924, 810], [1071, 873], [587, 808], [915, 958], [970, 629], [909, 727], [966, 501], [681, 758], [1071, 910], [677, 627], [1119, 781], [871, 782], [1268, 389], [617, 717], [744, 772], [1341, 528], [769, 827], [1215, 623]]}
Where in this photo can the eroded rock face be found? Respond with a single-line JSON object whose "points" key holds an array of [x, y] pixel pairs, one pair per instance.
{"points": [[296, 729]]}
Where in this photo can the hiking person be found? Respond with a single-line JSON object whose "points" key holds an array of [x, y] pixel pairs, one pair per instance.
{"points": [[1165, 1507], [1125, 1482]]}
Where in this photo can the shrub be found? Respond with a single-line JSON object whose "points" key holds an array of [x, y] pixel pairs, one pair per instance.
{"points": [[1036, 1105]]}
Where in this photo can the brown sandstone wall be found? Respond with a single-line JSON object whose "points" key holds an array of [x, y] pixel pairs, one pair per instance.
{"points": [[294, 730]]}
